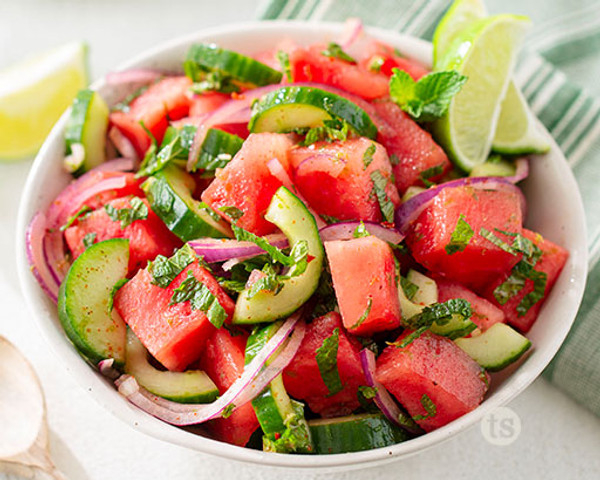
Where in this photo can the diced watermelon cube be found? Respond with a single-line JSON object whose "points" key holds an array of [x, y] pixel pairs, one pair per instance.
{"points": [[206, 103], [485, 314], [481, 261], [335, 178], [303, 380], [247, 183], [434, 367], [311, 65], [364, 279], [148, 237], [223, 361], [552, 261], [418, 156], [164, 101], [383, 58], [174, 334]]}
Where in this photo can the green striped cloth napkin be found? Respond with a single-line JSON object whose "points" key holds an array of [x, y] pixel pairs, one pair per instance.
{"points": [[566, 34]]}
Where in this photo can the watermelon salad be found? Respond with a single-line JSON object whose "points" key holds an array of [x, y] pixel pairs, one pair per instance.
{"points": [[273, 249]]}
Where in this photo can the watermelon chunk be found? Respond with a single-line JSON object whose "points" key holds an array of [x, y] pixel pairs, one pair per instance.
{"points": [[364, 280], [147, 237], [335, 179], [433, 366], [481, 261], [164, 101], [247, 183], [310, 65], [302, 378], [383, 58], [485, 314], [223, 361], [206, 103], [418, 156], [552, 261], [174, 334]]}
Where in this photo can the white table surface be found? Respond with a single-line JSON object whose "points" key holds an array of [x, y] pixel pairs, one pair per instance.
{"points": [[559, 439]]}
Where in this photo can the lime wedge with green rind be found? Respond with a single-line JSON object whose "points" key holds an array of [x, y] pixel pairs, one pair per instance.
{"points": [[34, 94], [485, 53]]}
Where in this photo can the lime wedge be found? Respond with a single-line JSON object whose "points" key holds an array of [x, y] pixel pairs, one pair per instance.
{"points": [[460, 15], [518, 131], [485, 53], [33, 95]]}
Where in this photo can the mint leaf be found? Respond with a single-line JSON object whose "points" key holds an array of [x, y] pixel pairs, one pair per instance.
{"points": [[138, 211], [333, 50], [427, 99], [385, 204], [200, 298], [440, 313], [368, 155], [394, 159], [113, 292], [164, 270], [429, 173], [89, 239], [275, 253], [429, 406], [269, 283], [364, 315], [284, 61], [332, 130], [361, 231], [234, 213], [515, 282], [329, 219], [326, 356], [71, 220], [376, 63], [228, 410], [461, 236], [409, 288]]}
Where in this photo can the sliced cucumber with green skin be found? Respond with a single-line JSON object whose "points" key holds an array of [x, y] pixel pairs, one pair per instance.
{"points": [[354, 433], [496, 348], [456, 328], [496, 168], [208, 57], [426, 294], [282, 422], [83, 301], [193, 386], [86, 131], [289, 108], [185, 140], [293, 218], [169, 192], [217, 150]]}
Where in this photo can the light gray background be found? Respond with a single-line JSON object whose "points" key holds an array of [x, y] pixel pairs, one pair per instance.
{"points": [[559, 439]]}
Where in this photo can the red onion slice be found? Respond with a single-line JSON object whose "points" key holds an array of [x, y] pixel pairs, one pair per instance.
{"points": [[133, 76], [122, 144], [34, 241], [106, 368], [254, 379], [412, 208], [215, 250], [345, 231], [353, 28], [383, 399]]}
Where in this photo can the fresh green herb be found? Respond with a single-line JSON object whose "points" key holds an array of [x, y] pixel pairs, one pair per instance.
{"points": [[385, 204], [295, 436], [270, 282], [368, 392], [228, 410], [430, 173], [209, 81], [329, 219], [89, 239], [427, 99], [515, 282], [394, 159], [124, 105], [326, 356], [71, 220], [364, 315], [409, 288], [240, 273], [332, 130], [361, 231], [200, 298], [138, 211], [164, 270], [401, 248], [208, 161], [324, 297], [440, 313], [411, 337], [333, 50], [429, 406], [113, 292], [177, 149], [284, 61], [376, 63], [365, 396], [368, 155], [461, 236], [369, 343]]}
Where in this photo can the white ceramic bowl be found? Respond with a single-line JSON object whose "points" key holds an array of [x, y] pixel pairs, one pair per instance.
{"points": [[554, 209]]}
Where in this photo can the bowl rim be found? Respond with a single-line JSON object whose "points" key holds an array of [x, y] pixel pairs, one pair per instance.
{"points": [[104, 392]]}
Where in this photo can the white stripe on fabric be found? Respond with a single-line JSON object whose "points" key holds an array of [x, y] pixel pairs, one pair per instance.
{"points": [[305, 10], [289, 7], [585, 144], [594, 251], [549, 90], [407, 15], [541, 76], [416, 26], [321, 10], [584, 123], [532, 64], [569, 114]]}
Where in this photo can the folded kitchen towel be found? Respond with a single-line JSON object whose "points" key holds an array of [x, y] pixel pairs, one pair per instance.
{"points": [[558, 74]]}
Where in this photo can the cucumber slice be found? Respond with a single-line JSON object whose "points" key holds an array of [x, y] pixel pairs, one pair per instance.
{"points": [[169, 192], [354, 433], [496, 168], [83, 301], [207, 57], [193, 386], [425, 295], [217, 150], [86, 131], [456, 328], [496, 348], [289, 108], [282, 420], [297, 223]]}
